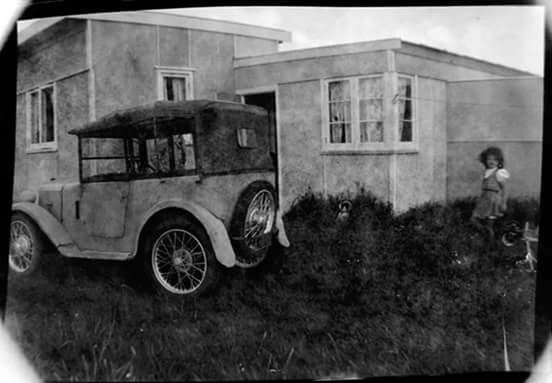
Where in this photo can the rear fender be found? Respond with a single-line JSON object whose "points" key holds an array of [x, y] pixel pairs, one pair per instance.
{"points": [[49, 224], [215, 229]]}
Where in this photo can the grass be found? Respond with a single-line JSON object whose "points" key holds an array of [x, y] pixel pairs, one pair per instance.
{"points": [[377, 295]]}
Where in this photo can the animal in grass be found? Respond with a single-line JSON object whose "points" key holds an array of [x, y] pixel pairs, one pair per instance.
{"points": [[344, 211], [491, 203]]}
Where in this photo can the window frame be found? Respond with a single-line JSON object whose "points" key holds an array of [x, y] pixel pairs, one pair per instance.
{"points": [[390, 117], [350, 100], [178, 72], [130, 174], [355, 144], [326, 144], [372, 145], [40, 147], [413, 145]]}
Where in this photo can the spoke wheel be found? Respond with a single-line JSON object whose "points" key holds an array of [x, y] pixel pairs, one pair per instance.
{"points": [[179, 258], [179, 261], [252, 225], [259, 220], [25, 244]]}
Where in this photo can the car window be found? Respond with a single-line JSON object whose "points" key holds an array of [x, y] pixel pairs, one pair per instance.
{"points": [[247, 138], [171, 154], [158, 153], [184, 152], [103, 157]]}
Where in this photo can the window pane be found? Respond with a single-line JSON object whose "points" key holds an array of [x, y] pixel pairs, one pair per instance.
{"points": [[159, 154], [405, 87], [339, 90], [247, 138], [110, 147], [405, 131], [371, 131], [47, 115], [184, 152], [104, 169], [370, 87], [35, 132], [340, 133], [405, 109], [340, 111], [103, 147], [175, 88], [371, 110], [169, 93]]}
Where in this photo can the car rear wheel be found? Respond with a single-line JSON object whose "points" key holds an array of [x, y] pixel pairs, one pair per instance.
{"points": [[179, 259], [252, 223], [26, 245]]}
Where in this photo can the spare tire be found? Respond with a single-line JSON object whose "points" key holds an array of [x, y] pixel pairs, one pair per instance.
{"points": [[252, 225]]}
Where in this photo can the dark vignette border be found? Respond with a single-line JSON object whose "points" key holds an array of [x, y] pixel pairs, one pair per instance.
{"points": [[50, 8]]}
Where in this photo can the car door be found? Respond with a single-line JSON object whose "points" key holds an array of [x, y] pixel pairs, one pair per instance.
{"points": [[95, 214], [103, 207]]}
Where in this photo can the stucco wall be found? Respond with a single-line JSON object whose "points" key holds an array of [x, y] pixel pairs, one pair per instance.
{"points": [[212, 55], [49, 56], [71, 113], [299, 145], [406, 63], [250, 46], [34, 169], [421, 177], [302, 165], [505, 109], [124, 59], [174, 49], [506, 113], [56, 55], [405, 179], [310, 69], [523, 161], [345, 172], [20, 164]]}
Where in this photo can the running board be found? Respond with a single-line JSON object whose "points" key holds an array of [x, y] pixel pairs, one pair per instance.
{"points": [[72, 251]]}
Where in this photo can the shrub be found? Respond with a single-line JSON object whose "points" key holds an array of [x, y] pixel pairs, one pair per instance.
{"points": [[524, 209], [426, 262], [376, 294]]}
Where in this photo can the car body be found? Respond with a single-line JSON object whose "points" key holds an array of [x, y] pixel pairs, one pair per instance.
{"points": [[207, 163]]}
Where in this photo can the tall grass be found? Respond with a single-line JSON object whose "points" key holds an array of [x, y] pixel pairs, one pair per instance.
{"points": [[376, 295]]}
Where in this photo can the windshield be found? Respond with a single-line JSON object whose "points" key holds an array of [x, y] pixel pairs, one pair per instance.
{"points": [[113, 159]]}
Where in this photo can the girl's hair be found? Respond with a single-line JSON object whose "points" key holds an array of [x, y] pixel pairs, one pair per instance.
{"points": [[493, 151]]}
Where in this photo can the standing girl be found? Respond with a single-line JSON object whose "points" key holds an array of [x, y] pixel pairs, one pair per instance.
{"points": [[492, 201]]}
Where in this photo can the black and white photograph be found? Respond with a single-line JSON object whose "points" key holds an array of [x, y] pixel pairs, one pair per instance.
{"points": [[274, 193]]}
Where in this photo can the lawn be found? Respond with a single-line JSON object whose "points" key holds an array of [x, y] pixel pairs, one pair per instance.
{"points": [[417, 293]]}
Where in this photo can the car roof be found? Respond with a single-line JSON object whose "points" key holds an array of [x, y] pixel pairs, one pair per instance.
{"points": [[141, 121]]}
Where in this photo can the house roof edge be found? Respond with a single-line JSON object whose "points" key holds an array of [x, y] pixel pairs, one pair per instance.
{"points": [[164, 19]]}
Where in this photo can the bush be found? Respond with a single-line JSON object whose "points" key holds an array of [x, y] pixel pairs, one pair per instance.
{"points": [[376, 294], [428, 262]]}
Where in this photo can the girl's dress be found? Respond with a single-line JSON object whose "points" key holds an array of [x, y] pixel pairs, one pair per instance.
{"points": [[490, 203]]}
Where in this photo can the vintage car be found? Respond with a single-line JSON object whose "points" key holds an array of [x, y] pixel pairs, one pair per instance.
{"points": [[181, 187]]}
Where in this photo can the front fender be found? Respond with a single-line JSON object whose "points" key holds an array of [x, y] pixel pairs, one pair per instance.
{"points": [[49, 224], [220, 241]]}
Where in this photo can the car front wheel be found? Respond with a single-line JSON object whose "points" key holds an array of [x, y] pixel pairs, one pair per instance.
{"points": [[26, 245], [179, 259]]}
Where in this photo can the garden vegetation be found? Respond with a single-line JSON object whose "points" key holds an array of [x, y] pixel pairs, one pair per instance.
{"points": [[378, 294]]}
